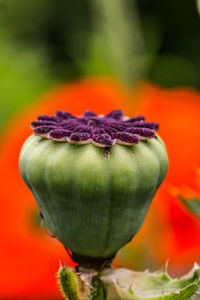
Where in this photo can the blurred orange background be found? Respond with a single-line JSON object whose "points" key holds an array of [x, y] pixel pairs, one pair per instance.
{"points": [[34, 82], [170, 230]]}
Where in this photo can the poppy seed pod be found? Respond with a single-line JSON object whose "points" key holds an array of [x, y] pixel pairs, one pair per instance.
{"points": [[93, 178]]}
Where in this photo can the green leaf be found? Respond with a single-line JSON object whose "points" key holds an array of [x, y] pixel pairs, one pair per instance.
{"points": [[124, 284], [198, 6], [193, 205], [98, 290], [69, 283], [129, 285]]}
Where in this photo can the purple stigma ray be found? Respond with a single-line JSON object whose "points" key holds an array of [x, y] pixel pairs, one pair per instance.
{"points": [[79, 137], [47, 118], [102, 131], [115, 114], [89, 114], [59, 134], [135, 119], [126, 138]]}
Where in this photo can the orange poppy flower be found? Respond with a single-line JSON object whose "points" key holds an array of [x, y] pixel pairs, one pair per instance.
{"points": [[29, 258], [172, 232]]}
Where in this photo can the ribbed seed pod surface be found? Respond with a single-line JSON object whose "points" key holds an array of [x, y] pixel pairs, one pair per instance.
{"points": [[93, 192]]}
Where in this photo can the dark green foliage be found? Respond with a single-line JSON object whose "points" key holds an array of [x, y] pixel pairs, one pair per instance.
{"points": [[163, 48]]}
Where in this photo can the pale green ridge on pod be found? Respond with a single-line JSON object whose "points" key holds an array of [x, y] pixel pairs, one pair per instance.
{"points": [[124, 284], [93, 203]]}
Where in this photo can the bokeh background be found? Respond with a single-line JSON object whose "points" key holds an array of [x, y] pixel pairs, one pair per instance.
{"points": [[141, 56]]}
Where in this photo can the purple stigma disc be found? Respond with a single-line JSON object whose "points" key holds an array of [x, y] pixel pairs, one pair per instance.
{"points": [[102, 131]]}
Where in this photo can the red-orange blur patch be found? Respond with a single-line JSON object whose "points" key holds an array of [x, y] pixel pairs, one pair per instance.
{"points": [[173, 232]]}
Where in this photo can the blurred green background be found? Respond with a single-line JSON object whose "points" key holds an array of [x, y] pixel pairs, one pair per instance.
{"points": [[46, 42]]}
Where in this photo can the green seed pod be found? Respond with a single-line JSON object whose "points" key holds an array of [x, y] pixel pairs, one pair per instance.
{"points": [[93, 179]]}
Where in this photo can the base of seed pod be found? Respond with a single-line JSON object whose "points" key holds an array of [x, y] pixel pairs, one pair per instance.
{"points": [[124, 284], [91, 263]]}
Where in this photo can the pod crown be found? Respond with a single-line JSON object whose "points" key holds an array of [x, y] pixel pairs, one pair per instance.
{"points": [[102, 131]]}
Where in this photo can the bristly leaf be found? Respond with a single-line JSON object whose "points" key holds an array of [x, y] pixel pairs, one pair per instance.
{"points": [[129, 285], [68, 281], [124, 284]]}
